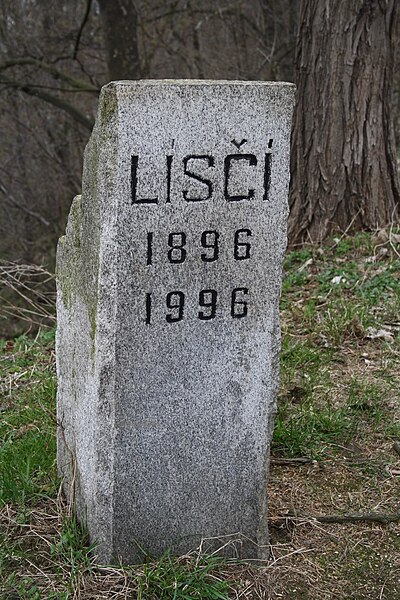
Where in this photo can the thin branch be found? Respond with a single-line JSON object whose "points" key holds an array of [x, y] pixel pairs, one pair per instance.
{"points": [[81, 28], [204, 12], [33, 91], [34, 287], [77, 84], [39, 86], [13, 202], [360, 517], [396, 447], [349, 518], [301, 460]]}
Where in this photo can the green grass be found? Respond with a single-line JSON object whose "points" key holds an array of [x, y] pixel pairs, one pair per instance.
{"points": [[322, 324], [339, 389], [28, 482], [311, 425], [27, 452], [305, 431], [169, 578]]}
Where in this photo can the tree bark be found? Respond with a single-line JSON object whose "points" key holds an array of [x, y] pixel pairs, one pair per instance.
{"points": [[343, 159], [120, 31]]}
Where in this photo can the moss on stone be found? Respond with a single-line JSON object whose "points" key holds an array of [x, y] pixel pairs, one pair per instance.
{"points": [[108, 103], [68, 256], [78, 253], [77, 258]]}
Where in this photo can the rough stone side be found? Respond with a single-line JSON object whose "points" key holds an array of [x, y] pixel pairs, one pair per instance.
{"points": [[85, 333]]}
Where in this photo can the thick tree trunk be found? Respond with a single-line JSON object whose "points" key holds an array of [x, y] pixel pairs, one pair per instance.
{"points": [[343, 158], [120, 32]]}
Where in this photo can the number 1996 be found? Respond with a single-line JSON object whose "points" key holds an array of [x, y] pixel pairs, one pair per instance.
{"points": [[207, 305]]}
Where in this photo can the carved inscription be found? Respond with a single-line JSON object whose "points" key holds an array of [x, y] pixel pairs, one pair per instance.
{"points": [[207, 305], [200, 168], [203, 170], [209, 241], [207, 251]]}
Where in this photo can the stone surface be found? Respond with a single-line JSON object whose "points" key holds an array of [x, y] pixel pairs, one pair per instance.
{"points": [[168, 330]]}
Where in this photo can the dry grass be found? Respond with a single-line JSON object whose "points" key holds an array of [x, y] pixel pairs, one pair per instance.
{"points": [[40, 565], [27, 297], [334, 375], [333, 362]]}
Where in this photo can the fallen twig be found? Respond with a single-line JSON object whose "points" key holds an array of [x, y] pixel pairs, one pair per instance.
{"points": [[396, 447], [348, 518], [301, 460]]}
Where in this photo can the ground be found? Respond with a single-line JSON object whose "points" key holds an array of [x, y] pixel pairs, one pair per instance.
{"points": [[335, 455]]}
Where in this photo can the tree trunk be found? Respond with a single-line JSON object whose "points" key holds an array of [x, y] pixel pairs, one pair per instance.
{"points": [[120, 32], [343, 161]]}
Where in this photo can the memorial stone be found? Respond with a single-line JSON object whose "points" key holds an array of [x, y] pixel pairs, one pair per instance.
{"points": [[168, 327]]}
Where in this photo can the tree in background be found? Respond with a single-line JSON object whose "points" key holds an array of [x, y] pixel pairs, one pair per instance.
{"points": [[54, 57], [344, 169], [120, 20], [47, 104]]}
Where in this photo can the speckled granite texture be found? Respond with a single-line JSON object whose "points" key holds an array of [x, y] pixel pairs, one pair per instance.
{"points": [[168, 329]]}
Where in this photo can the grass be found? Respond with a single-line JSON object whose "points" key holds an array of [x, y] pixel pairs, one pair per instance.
{"points": [[170, 578], [338, 410], [27, 426], [325, 326], [44, 552], [339, 407]]}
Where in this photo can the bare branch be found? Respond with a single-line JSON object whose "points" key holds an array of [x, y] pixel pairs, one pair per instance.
{"points": [[65, 106], [34, 286], [372, 517], [81, 28], [9, 198], [77, 84]]}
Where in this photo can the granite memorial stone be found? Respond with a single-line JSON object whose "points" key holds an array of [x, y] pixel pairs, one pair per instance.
{"points": [[168, 329]]}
